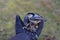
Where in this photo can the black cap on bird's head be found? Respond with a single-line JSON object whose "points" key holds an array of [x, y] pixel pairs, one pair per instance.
{"points": [[37, 18]]}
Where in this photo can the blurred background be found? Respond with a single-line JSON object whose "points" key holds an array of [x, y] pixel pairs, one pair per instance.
{"points": [[50, 9]]}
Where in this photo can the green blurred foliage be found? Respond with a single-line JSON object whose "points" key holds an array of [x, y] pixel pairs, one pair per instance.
{"points": [[10, 8]]}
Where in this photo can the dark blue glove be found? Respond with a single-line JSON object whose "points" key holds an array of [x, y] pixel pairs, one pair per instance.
{"points": [[19, 24]]}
